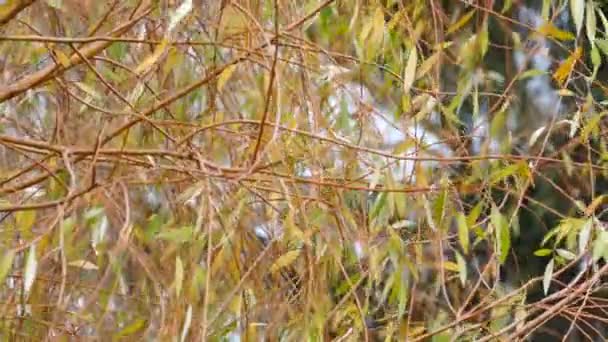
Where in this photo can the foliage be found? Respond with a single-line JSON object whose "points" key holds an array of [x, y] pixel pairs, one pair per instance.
{"points": [[315, 170]]}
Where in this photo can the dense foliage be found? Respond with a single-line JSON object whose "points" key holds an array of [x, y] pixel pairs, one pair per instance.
{"points": [[303, 170]]}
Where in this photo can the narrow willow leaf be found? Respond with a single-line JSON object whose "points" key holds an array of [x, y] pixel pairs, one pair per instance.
{"points": [[25, 220], [506, 6], [531, 73], [463, 232], [544, 12], [600, 246], [187, 324], [596, 60], [595, 203], [517, 169], [63, 58], [462, 268], [548, 276], [549, 30], [584, 235], [427, 65], [403, 293], [132, 328], [84, 264], [591, 25], [149, 61], [591, 125], [179, 14], [535, 135], [183, 234], [566, 254], [285, 260], [461, 22], [225, 76], [577, 9], [6, 263], [410, 71], [451, 266], [503, 234], [31, 267], [179, 275], [603, 45], [564, 70], [543, 252], [603, 19]]}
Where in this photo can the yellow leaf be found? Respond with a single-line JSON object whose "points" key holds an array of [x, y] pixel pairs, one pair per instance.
{"points": [[451, 266], [427, 65], [410, 71], [153, 58], [461, 22], [596, 203], [379, 21], [225, 76], [63, 58], [179, 275], [549, 30], [25, 220], [564, 70], [285, 260]]}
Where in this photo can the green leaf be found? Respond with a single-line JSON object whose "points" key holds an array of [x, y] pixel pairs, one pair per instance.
{"points": [[547, 276], [543, 252], [603, 45], [132, 328], [179, 235], [117, 51], [531, 73], [6, 263], [600, 246], [461, 22], [25, 220], [506, 6], [503, 234], [462, 268], [463, 232]]}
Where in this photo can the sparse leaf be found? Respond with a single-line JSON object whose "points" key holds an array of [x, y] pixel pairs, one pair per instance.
{"points": [[548, 275], [410, 71], [6, 263], [285, 260], [31, 268], [577, 9], [225, 76], [463, 232]]}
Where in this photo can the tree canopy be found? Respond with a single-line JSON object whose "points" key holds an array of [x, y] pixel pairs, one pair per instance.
{"points": [[419, 170]]}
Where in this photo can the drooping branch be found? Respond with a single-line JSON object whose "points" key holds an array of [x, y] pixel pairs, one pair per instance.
{"points": [[9, 91], [16, 8]]}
